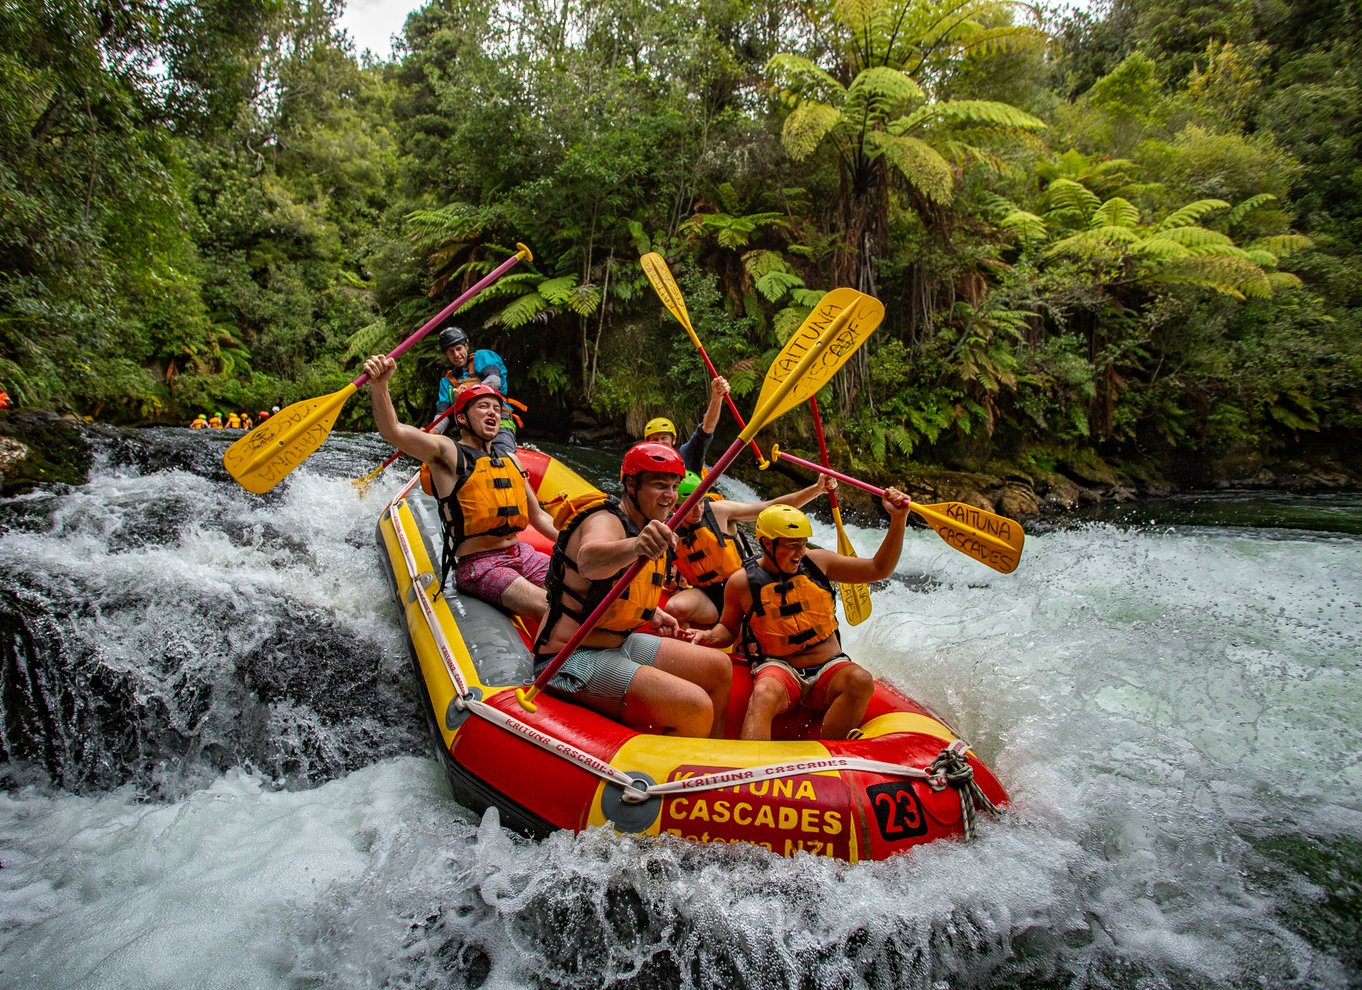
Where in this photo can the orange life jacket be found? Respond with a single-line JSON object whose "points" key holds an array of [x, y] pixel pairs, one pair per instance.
{"points": [[627, 612], [488, 499], [789, 614], [705, 554]]}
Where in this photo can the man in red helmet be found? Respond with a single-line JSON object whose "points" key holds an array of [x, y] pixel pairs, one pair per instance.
{"points": [[647, 680], [485, 498]]}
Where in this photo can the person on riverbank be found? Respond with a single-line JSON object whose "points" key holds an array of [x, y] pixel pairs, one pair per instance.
{"points": [[783, 608], [215, 421], [4, 399], [485, 498], [484, 367], [199, 422], [660, 429], [649, 680], [709, 548]]}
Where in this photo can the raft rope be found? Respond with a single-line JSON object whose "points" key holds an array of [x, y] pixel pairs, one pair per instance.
{"points": [[951, 768]]}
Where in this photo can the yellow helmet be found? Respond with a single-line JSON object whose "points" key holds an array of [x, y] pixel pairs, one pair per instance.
{"points": [[659, 424], [783, 522]]}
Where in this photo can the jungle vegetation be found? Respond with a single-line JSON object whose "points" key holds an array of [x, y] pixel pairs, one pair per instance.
{"points": [[1129, 234]]}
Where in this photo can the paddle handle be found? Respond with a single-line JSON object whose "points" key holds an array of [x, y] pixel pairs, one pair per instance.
{"points": [[482, 283], [779, 455], [822, 447], [589, 623]]}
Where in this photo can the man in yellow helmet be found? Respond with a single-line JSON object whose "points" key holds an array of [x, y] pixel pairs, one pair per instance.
{"points": [[783, 604], [660, 429]]}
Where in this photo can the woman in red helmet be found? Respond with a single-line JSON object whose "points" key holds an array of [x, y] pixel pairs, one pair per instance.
{"points": [[649, 681], [485, 497]]}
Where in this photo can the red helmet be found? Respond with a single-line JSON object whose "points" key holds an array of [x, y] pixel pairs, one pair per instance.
{"points": [[648, 456], [472, 393]]}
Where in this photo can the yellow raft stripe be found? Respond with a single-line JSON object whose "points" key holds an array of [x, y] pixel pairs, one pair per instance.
{"points": [[439, 685], [907, 722]]}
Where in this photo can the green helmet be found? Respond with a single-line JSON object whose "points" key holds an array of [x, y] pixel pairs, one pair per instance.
{"points": [[688, 485]]}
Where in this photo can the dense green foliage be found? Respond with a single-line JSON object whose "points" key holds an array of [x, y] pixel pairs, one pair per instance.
{"points": [[1134, 234]]}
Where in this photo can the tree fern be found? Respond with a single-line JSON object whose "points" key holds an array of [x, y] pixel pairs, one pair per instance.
{"points": [[966, 113], [797, 76], [1282, 245], [366, 340]]}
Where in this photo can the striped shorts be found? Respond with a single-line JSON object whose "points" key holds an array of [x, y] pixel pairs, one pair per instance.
{"points": [[599, 677]]}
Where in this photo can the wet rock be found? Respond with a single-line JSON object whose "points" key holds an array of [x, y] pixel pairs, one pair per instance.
{"points": [[1060, 494], [53, 452], [1018, 501]]}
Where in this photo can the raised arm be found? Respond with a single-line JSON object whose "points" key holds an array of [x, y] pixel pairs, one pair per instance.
{"points": [[604, 550], [731, 511], [863, 570], [718, 388], [424, 447]]}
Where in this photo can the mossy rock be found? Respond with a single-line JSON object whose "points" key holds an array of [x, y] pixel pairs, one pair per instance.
{"points": [[40, 448]]}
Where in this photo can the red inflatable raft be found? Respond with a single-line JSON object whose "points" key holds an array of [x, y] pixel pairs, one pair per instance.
{"points": [[908, 779]]}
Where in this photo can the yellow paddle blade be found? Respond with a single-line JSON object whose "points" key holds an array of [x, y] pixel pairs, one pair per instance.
{"points": [[981, 520], [655, 267], [855, 316], [855, 597], [262, 458], [983, 546]]}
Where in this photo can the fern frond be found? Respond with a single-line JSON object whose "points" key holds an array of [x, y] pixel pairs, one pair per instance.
{"points": [[967, 113], [557, 290], [1158, 249], [1234, 277], [1282, 245], [806, 127], [918, 162], [1018, 38], [365, 340], [1084, 245], [1283, 280], [774, 285], [880, 92], [1114, 234], [1246, 207], [1191, 214], [1195, 237], [1024, 226], [1066, 194], [519, 312], [762, 262], [797, 76], [1115, 212]]}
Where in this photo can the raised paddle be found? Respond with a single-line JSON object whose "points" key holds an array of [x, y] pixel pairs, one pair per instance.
{"points": [[841, 322], [263, 457], [655, 267], [363, 483], [855, 597], [986, 536]]}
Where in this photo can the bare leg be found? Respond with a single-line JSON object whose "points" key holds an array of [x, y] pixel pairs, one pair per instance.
{"points": [[848, 697], [711, 670], [693, 609], [769, 699], [524, 597], [666, 704]]}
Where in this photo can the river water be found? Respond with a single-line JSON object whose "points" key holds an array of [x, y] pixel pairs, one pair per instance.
{"points": [[216, 773]]}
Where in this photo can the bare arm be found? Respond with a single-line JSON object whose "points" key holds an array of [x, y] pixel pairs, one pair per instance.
{"points": [[737, 603], [862, 570], [539, 517], [718, 388], [728, 511], [604, 549], [424, 447]]}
